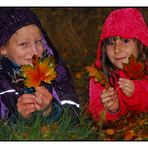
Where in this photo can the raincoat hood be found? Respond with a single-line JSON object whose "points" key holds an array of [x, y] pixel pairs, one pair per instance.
{"points": [[126, 23], [12, 19]]}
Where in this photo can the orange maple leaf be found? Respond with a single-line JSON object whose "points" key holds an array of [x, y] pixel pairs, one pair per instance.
{"points": [[110, 131], [134, 69], [129, 135], [98, 75], [40, 71]]}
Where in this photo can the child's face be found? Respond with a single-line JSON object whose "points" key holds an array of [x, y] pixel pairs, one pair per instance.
{"points": [[24, 43], [119, 50]]}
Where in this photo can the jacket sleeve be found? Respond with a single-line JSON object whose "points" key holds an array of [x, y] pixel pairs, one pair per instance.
{"points": [[96, 107], [139, 100], [4, 105], [3, 110]]}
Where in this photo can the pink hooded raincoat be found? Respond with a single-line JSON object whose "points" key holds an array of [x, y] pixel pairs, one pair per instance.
{"points": [[126, 23]]}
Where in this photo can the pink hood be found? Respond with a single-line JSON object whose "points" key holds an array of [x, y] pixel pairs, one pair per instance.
{"points": [[127, 23]]}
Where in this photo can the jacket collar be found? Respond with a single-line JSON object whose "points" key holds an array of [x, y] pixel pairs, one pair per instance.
{"points": [[9, 67]]}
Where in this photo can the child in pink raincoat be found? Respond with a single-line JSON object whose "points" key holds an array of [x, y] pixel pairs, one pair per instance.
{"points": [[124, 33]]}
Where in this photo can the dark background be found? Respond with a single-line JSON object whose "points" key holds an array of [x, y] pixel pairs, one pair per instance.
{"points": [[75, 33]]}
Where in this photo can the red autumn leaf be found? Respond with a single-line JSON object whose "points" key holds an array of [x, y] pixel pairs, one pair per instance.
{"points": [[134, 69]]}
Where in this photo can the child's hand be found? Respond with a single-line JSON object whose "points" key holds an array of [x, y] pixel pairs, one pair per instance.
{"points": [[43, 97], [29, 103], [26, 105], [127, 86], [110, 100]]}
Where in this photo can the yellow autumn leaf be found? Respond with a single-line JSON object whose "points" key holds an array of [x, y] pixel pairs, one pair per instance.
{"points": [[40, 71]]}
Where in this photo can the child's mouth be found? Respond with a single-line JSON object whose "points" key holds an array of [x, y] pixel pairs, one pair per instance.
{"points": [[120, 58]]}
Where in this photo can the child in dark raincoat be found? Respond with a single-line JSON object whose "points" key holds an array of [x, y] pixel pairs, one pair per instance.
{"points": [[22, 37], [124, 34]]}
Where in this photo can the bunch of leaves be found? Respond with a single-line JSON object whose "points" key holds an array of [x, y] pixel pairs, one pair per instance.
{"points": [[98, 75], [41, 70], [131, 127], [134, 68]]}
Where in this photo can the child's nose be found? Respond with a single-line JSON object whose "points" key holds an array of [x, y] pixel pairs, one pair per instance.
{"points": [[118, 46], [34, 50]]}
